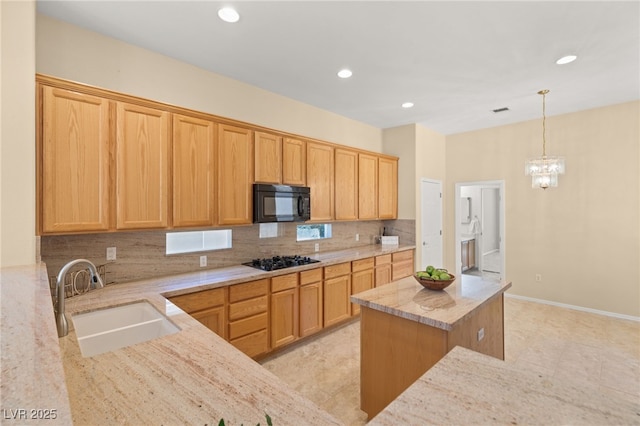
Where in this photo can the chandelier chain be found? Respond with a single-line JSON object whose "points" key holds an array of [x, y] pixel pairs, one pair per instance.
{"points": [[544, 125]]}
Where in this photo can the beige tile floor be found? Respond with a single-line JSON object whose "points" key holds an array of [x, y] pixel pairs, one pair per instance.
{"points": [[594, 350]]}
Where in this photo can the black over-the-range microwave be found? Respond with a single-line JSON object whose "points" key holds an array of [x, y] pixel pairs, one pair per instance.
{"points": [[281, 203]]}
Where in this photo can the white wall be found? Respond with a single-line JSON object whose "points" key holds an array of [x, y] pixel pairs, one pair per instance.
{"points": [[583, 236], [17, 133], [72, 53]]}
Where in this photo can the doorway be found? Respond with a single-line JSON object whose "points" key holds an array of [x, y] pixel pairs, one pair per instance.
{"points": [[480, 229], [431, 223]]}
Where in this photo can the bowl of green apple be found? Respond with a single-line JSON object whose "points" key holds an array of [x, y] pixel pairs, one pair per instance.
{"points": [[434, 278]]}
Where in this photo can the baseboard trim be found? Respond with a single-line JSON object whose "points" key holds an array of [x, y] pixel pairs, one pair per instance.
{"points": [[576, 308]]}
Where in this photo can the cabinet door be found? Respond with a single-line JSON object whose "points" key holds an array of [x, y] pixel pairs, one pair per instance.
{"points": [[346, 174], [268, 158], [214, 319], [337, 306], [142, 173], [294, 162], [284, 317], [75, 162], [235, 175], [310, 309], [193, 171], [360, 281], [320, 180], [383, 274], [367, 186], [465, 255], [387, 188], [472, 254]]}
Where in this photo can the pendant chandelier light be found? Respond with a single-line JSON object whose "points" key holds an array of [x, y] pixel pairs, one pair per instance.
{"points": [[544, 170]]}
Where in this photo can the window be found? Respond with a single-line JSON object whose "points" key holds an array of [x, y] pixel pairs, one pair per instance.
{"points": [[194, 241], [313, 232]]}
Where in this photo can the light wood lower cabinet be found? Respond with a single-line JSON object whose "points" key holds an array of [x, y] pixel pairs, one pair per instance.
{"points": [[284, 310], [249, 318], [208, 306], [311, 302], [362, 279], [382, 270], [337, 289], [402, 264]]}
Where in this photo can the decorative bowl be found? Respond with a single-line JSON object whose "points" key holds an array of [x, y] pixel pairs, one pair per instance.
{"points": [[432, 284]]}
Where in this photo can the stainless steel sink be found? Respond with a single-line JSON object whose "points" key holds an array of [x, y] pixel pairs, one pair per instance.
{"points": [[108, 329]]}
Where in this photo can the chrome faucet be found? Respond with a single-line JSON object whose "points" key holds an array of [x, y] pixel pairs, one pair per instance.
{"points": [[61, 321]]}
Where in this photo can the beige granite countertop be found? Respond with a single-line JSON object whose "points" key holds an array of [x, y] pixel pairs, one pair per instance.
{"points": [[32, 385], [190, 377], [466, 387], [442, 309]]}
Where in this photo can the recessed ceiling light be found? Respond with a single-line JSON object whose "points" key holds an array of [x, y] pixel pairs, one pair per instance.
{"points": [[345, 73], [407, 105], [566, 59], [228, 14]]}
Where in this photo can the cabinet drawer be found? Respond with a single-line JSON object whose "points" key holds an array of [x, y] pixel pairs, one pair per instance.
{"points": [[248, 290], [362, 264], [247, 325], [312, 276], [402, 255], [253, 344], [401, 270], [200, 300], [247, 308], [284, 282], [337, 270], [383, 259]]}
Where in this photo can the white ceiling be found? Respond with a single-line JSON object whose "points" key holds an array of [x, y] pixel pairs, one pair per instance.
{"points": [[457, 61]]}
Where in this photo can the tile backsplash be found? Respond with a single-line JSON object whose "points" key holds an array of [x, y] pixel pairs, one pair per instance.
{"points": [[142, 255]]}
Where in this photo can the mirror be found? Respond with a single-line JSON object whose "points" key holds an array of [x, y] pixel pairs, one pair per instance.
{"points": [[465, 209]]}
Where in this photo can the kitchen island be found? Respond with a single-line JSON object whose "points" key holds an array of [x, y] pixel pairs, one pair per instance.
{"points": [[406, 329]]}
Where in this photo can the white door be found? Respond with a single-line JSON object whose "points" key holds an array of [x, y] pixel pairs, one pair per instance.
{"points": [[491, 239], [431, 221]]}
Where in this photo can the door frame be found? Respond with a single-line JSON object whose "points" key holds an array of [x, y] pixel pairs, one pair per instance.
{"points": [[458, 219]]}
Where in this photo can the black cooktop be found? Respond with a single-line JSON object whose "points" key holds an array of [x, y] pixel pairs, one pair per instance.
{"points": [[280, 262]]}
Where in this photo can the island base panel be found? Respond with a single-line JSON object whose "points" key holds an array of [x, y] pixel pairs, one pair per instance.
{"points": [[395, 352]]}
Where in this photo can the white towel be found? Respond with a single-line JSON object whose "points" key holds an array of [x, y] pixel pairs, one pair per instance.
{"points": [[474, 226]]}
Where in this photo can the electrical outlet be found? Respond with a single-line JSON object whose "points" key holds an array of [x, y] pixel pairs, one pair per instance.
{"points": [[203, 261], [480, 334], [357, 237], [538, 278], [111, 253], [317, 247]]}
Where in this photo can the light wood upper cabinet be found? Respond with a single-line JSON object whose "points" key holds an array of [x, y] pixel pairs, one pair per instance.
{"points": [[268, 158], [387, 188], [235, 175], [320, 180], [194, 152], [142, 175], [367, 186], [294, 162], [346, 178], [74, 178]]}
